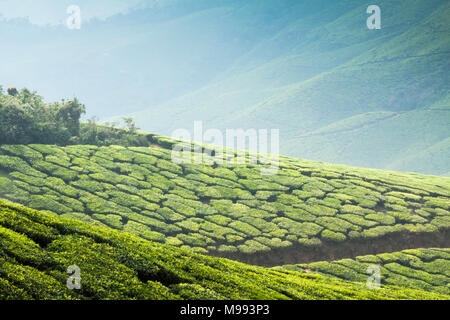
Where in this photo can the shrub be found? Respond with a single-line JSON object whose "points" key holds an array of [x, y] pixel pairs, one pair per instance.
{"points": [[251, 247], [437, 266], [266, 195], [88, 184], [379, 231], [140, 158], [308, 194], [190, 224], [227, 249], [288, 200], [34, 181], [336, 224], [184, 193], [366, 203], [180, 208], [273, 242], [404, 195], [300, 229], [6, 186], [169, 214], [219, 219], [153, 195], [194, 239], [355, 210], [381, 218], [215, 231], [310, 242], [173, 241], [318, 210], [23, 185], [358, 220], [260, 224], [160, 182], [299, 215], [442, 222], [143, 231], [333, 236], [83, 217], [22, 151], [369, 259], [436, 280], [74, 204], [233, 238], [169, 166], [114, 221], [257, 213], [407, 217], [61, 187], [337, 270], [10, 164], [435, 202], [396, 207], [255, 185], [47, 203], [228, 208], [244, 228]]}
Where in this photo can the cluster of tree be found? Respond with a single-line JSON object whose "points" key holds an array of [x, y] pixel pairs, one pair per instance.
{"points": [[111, 134], [25, 118]]}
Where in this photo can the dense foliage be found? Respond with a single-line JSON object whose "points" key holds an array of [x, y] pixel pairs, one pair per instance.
{"points": [[425, 269], [222, 209], [25, 118], [36, 250]]}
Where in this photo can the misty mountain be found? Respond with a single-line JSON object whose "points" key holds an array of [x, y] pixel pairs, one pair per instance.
{"points": [[337, 91]]}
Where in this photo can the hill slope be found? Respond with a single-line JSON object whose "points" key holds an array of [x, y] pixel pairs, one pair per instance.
{"points": [[324, 67], [37, 248], [297, 65], [426, 269], [307, 212]]}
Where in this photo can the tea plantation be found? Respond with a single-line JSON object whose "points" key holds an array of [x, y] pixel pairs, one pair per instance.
{"points": [[37, 249], [425, 269], [224, 210]]}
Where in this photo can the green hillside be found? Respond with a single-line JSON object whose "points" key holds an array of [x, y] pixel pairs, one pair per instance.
{"points": [[323, 68], [309, 211], [422, 149], [37, 248], [425, 269], [108, 200]]}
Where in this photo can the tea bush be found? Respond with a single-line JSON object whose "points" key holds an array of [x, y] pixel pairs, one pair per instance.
{"points": [[426, 269], [139, 189]]}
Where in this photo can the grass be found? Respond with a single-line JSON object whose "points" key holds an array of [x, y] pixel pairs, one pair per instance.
{"points": [[217, 208], [37, 248]]}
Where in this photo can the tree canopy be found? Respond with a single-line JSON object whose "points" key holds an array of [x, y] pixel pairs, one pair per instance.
{"points": [[25, 119]]}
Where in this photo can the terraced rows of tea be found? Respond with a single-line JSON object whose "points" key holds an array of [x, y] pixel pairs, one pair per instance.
{"points": [[425, 269], [227, 210], [37, 248]]}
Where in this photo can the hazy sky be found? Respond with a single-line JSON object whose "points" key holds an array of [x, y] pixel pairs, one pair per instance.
{"points": [[54, 11]]}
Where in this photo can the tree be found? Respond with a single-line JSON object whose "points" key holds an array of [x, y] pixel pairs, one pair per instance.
{"points": [[25, 118], [15, 125], [69, 114], [12, 91], [130, 124]]}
